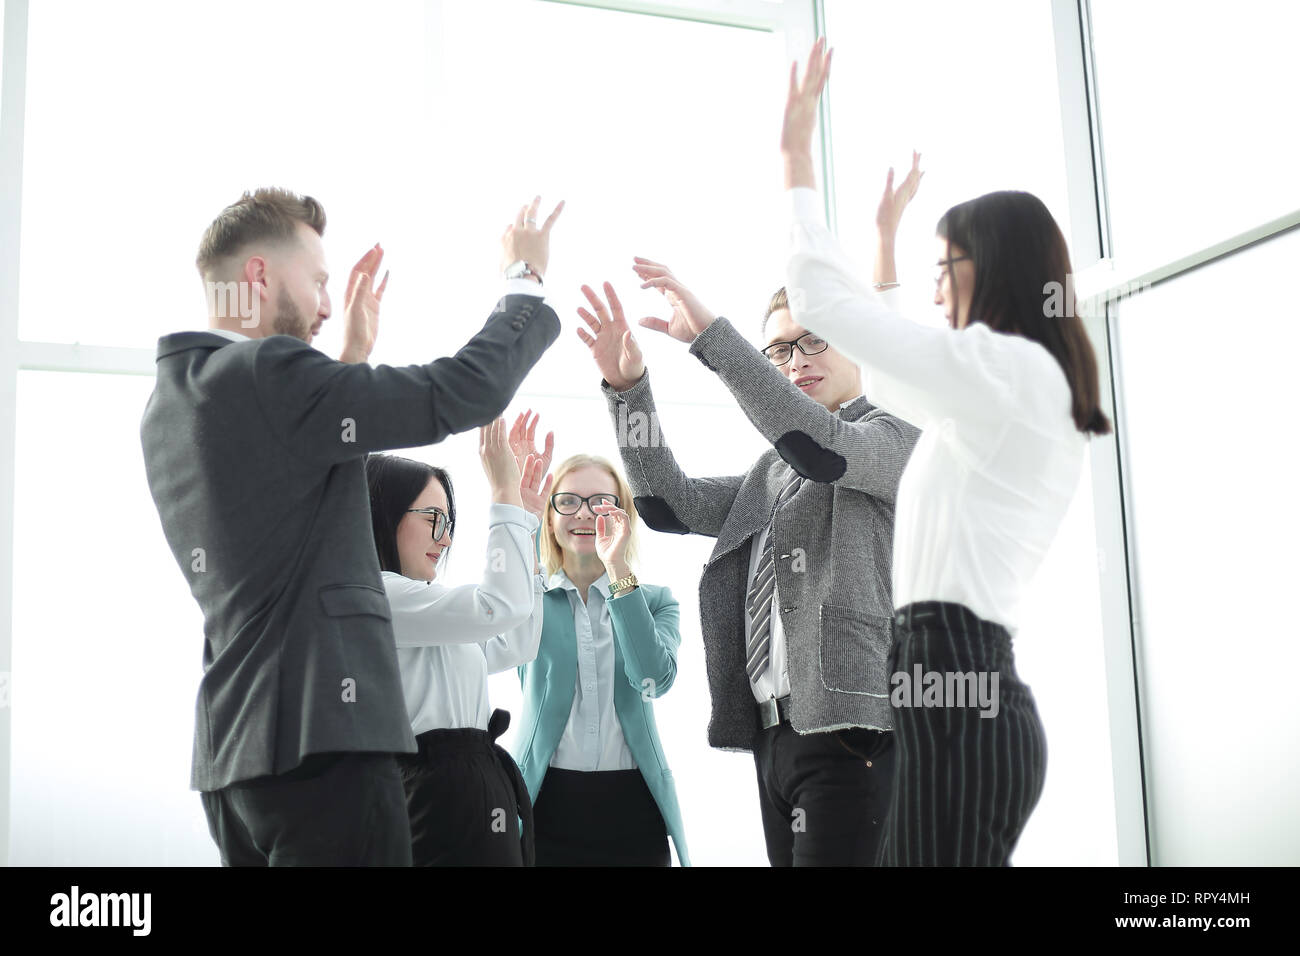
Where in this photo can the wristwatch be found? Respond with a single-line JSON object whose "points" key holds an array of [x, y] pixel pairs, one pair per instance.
{"points": [[621, 583], [521, 270]]}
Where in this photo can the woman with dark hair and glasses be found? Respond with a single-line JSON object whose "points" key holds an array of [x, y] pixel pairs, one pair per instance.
{"points": [[589, 749], [1006, 399], [464, 794]]}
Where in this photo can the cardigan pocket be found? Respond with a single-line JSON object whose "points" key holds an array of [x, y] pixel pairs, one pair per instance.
{"points": [[853, 650]]}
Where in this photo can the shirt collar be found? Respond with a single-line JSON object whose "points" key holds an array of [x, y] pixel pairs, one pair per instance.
{"points": [[230, 334], [561, 580], [853, 407]]}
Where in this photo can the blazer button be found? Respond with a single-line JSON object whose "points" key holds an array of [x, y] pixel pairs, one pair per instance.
{"points": [[516, 325]]}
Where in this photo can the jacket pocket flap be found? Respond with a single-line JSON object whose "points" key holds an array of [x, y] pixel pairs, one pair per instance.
{"points": [[340, 600]]}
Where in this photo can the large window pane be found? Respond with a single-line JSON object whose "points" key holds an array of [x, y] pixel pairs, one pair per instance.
{"points": [[1197, 104], [1206, 364], [971, 86], [678, 164], [129, 155], [108, 643], [426, 141]]}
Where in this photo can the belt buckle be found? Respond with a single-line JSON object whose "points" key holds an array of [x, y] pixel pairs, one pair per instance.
{"points": [[769, 713]]}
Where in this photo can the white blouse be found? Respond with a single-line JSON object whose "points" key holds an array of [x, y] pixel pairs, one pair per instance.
{"points": [[593, 737], [450, 638], [999, 457]]}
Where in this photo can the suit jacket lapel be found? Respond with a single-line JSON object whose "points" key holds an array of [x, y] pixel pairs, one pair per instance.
{"points": [[559, 639]]}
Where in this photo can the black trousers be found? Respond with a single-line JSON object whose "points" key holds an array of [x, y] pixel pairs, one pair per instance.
{"points": [[965, 782], [333, 809], [465, 797], [599, 818], [824, 796]]}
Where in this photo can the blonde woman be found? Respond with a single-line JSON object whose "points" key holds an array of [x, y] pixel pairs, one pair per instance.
{"points": [[588, 749]]}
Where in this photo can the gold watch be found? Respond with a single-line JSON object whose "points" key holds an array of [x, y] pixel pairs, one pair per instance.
{"points": [[621, 583]]}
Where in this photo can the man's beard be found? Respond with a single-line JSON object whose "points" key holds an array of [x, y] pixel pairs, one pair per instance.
{"points": [[289, 319]]}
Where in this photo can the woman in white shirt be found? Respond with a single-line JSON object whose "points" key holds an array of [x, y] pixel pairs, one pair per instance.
{"points": [[1006, 398], [464, 794]]}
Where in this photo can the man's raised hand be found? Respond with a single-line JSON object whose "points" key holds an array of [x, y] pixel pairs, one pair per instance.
{"points": [[689, 317], [523, 240], [361, 307], [612, 345]]}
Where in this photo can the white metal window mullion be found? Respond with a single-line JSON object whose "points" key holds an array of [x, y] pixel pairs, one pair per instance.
{"points": [[750, 14], [1089, 244], [13, 80]]}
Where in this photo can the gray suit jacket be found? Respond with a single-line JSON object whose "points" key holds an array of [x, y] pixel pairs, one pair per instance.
{"points": [[833, 540], [255, 456]]}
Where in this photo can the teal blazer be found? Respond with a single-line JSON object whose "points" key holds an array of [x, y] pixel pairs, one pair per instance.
{"points": [[645, 653]]}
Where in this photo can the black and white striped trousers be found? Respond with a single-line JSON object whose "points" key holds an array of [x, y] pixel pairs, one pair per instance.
{"points": [[964, 784]]}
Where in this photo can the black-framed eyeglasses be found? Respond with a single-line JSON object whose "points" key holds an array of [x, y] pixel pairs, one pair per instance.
{"points": [[567, 503], [778, 353], [944, 266], [440, 519]]}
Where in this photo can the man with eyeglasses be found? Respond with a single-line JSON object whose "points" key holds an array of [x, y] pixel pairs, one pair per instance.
{"points": [[254, 448], [795, 602]]}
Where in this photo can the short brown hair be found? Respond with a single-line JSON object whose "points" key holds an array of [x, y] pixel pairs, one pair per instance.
{"points": [[776, 304], [265, 214]]}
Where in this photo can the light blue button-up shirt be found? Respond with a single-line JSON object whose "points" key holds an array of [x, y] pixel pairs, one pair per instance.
{"points": [[593, 738]]}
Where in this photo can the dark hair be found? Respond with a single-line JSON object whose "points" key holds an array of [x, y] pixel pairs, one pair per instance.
{"points": [[1018, 250], [269, 214], [394, 485], [775, 304]]}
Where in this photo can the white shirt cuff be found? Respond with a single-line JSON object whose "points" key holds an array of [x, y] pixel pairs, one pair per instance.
{"points": [[524, 287], [511, 514], [806, 205]]}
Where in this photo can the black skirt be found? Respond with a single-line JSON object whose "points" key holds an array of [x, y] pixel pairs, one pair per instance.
{"points": [[599, 818]]}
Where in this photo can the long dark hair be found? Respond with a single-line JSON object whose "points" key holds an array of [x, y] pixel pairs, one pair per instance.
{"points": [[394, 484], [1018, 252]]}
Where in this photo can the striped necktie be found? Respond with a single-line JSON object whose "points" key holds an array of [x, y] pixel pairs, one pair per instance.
{"points": [[759, 600]]}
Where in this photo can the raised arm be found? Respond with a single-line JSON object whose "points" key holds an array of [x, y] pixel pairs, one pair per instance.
{"points": [[921, 373], [429, 614], [649, 638], [666, 497], [327, 411], [426, 614], [519, 645], [868, 456]]}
